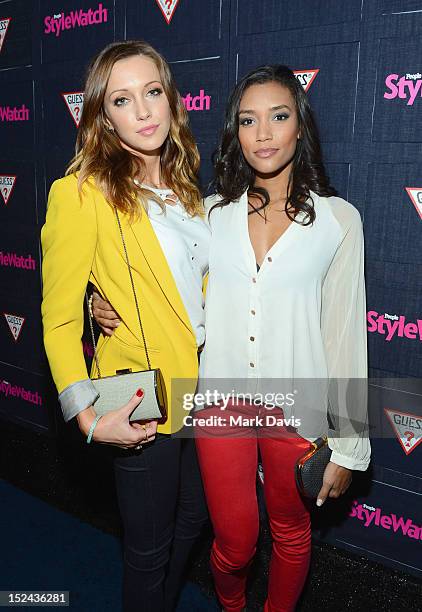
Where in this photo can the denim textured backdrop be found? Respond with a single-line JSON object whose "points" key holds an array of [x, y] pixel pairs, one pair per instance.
{"points": [[367, 99]]}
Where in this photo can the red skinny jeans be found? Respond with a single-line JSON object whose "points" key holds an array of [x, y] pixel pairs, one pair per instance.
{"points": [[228, 457]]}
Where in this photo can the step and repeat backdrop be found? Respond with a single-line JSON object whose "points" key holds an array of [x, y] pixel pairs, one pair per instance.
{"points": [[361, 63]]}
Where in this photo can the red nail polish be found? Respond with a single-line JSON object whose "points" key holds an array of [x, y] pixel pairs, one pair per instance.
{"points": [[140, 393]]}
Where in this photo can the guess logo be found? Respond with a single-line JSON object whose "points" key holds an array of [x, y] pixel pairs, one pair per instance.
{"points": [[306, 77], [415, 194], [167, 7], [74, 102], [15, 324], [6, 186], [4, 25], [407, 427]]}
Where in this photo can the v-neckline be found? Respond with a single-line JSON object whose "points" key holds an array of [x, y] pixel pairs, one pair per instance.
{"points": [[272, 248]]}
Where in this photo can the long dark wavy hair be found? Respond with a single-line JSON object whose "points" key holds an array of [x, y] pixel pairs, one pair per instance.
{"points": [[233, 174]]}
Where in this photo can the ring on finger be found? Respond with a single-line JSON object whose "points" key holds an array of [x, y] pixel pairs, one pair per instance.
{"points": [[146, 433]]}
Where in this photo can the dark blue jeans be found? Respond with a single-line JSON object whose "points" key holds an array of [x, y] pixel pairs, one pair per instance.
{"points": [[163, 509]]}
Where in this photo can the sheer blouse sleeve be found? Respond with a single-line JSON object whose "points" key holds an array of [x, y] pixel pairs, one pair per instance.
{"points": [[343, 322]]}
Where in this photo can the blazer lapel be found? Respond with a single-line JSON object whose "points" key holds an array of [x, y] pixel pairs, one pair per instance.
{"points": [[156, 260]]}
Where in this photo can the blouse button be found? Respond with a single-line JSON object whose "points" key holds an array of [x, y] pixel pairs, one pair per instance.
{"points": [[195, 245], [253, 312], [252, 339], [254, 280], [252, 364], [270, 259]]}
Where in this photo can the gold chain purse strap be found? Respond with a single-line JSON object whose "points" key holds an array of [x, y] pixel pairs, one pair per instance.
{"points": [[136, 304]]}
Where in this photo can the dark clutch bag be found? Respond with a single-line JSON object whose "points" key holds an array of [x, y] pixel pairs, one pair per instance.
{"points": [[309, 469]]}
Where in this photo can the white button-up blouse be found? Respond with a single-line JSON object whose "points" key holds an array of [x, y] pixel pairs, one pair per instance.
{"points": [[185, 243], [296, 328]]}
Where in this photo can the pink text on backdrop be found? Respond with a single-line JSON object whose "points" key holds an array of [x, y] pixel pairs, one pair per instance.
{"points": [[197, 103], [392, 325], [12, 260], [88, 349], [56, 24], [14, 114], [19, 392], [406, 87], [373, 516]]}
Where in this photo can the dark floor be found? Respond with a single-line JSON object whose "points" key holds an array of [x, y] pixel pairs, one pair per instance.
{"points": [[82, 560], [60, 471]]}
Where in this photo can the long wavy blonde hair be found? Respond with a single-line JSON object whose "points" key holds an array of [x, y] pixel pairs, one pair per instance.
{"points": [[100, 155]]}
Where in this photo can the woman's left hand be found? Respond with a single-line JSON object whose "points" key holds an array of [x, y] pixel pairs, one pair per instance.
{"points": [[336, 481]]}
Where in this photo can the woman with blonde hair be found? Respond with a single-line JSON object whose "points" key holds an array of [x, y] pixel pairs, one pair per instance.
{"points": [[135, 159]]}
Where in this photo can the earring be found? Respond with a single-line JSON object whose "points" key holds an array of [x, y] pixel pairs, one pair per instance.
{"points": [[109, 128]]}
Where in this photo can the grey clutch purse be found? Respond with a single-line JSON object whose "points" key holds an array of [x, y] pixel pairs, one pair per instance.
{"points": [[309, 469], [115, 391]]}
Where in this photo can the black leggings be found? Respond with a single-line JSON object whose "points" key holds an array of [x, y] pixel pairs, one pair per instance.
{"points": [[163, 509]]}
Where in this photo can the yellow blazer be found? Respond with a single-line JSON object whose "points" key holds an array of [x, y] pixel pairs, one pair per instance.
{"points": [[81, 242]]}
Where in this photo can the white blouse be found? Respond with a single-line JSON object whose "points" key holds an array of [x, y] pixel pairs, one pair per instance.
{"points": [[185, 242], [297, 328]]}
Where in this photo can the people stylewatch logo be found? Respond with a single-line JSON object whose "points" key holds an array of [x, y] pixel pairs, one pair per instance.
{"points": [[78, 18], [405, 87], [11, 391], [74, 101], [306, 77], [370, 517], [407, 427], [7, 182], [11, 259], [15, 324], [167, 7], [415, 194], [4, 25], [14, 113], [201, 102], [393, 326]]}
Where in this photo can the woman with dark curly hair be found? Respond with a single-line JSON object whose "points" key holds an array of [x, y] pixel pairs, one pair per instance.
{"points": [[285, 311], [284, 361]]}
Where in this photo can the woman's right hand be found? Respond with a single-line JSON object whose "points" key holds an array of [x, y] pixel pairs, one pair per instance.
{"points": [[116, 429], [103, 313]]}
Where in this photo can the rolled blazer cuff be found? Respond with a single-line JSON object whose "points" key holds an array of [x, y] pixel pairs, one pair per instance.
{"points": [[76, 397]]}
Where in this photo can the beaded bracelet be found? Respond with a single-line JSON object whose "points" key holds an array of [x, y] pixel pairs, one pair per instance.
{"points": [[91, 429]]}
